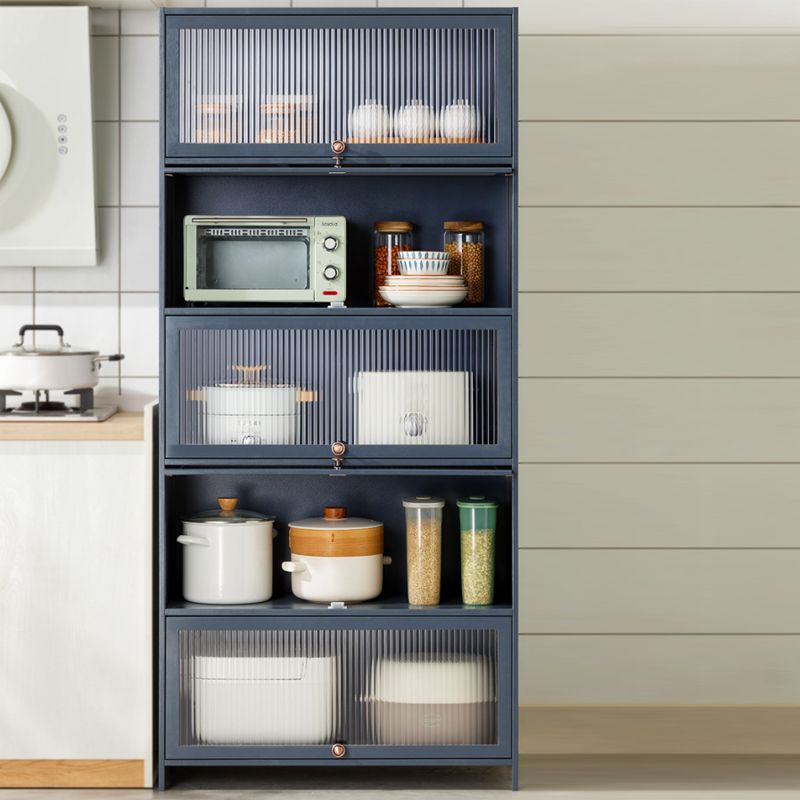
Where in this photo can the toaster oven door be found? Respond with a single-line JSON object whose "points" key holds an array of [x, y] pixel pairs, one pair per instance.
{"points": [[241, 264]]}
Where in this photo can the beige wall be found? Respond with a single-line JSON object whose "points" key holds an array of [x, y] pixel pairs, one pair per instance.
{"points": [[659, 364]]}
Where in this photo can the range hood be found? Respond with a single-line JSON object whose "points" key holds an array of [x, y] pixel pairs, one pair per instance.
{"points": [[47, 192]]}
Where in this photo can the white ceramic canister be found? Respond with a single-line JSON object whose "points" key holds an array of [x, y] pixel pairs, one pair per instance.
{"points": [[227, 555], [370, 121], [336, 557], [459, 120], [242, 413], [415, 121]]}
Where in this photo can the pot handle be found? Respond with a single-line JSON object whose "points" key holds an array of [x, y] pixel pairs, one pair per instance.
{"points": [[274, 532], [387, 560], [183, 539], [115, 357], [25, 328], [293, 566]]}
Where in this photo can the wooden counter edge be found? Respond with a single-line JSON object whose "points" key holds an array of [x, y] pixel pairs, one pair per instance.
{"points": [[72, 773], [124, 426]]}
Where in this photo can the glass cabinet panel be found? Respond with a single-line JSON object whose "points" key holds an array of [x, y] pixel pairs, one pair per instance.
{"points": [[247, 387], [248, 685], [265, 82]]}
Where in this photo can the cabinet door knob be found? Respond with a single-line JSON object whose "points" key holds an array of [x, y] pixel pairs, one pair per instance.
{"points": [[338, 750]]}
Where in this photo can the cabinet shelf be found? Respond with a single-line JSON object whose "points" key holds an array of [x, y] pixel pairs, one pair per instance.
{"points": [[314, 311], [290, 606]]}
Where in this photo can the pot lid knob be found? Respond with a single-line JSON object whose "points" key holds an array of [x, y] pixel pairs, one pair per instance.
{"points": [[228, 503], [334, 512]]}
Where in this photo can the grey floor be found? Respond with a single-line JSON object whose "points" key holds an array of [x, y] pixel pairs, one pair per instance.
{"points": [[543, 778]]}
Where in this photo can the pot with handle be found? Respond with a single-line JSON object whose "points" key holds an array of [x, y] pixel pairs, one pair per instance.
{"points": [[27, 367], [227, 555], [336, 558]]}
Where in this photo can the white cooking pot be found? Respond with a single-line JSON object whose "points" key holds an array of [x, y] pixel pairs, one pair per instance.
{"points": [[245, 413], [336, 558], [227, 556], [25, 367]]}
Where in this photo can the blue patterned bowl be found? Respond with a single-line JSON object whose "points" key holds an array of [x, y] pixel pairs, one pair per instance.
{"points": [[423, 262]]}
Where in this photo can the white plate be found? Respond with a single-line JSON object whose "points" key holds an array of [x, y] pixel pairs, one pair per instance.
{"points": [[421, 298]]}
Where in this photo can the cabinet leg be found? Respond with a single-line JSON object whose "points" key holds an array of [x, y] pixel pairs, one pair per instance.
{"points": [[515, 775], [162, 778]]}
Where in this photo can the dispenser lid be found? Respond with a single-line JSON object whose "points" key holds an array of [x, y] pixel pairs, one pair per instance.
{"points": [[475, 501], [423, 502]]}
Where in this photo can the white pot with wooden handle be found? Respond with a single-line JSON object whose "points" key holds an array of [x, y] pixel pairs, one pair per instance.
{"points": [[336, 558], [227, 556]]}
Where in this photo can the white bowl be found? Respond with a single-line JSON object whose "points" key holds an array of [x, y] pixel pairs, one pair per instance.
{"points": [[421, 297], [423, 266]]}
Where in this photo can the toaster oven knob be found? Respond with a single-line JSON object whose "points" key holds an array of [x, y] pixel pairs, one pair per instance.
{"points": [[330, 243], [338, 750], [330, 273]]}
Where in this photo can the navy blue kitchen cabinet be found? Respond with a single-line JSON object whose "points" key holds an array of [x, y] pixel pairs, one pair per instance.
{"points": [[286, 86], [368, 114]]}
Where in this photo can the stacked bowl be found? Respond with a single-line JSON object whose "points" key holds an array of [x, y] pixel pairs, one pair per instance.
{"points": [[423, 281]]}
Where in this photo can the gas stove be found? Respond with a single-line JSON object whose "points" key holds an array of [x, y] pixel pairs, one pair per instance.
{"points": [[42, 409]]}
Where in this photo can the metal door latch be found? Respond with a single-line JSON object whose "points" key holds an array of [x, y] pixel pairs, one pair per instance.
{"points": [[338, 750], [338, 449], [337, 148]]}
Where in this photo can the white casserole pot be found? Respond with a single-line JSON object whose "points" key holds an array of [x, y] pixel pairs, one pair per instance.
{"points": [[25, 367], [227, 556], [336, 558], [244, 413]]}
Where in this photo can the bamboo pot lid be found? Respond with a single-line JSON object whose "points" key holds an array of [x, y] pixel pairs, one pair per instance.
{"points": [[335, 535]]}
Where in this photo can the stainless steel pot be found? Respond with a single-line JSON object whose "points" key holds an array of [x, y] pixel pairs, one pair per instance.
{"points": [[25, 367]]}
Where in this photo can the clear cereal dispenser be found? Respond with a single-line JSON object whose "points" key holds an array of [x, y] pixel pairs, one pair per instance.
{"points": [[478, 517], [424, 549]]}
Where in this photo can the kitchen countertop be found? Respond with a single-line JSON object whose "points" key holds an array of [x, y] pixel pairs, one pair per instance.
{"points": [[124, 426]]}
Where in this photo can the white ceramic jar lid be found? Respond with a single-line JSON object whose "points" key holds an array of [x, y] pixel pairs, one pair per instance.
{"points": [[335, 518]]}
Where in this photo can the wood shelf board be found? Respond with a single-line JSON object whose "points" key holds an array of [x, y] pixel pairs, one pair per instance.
{"points": [[124, 426]]}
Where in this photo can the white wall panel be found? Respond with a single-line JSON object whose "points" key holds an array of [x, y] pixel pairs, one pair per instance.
{"points": [[659, 249], [659, 670], [597, 419], [659, 591], [594, 334], [659, 505], [667, 163], [659, 78]]}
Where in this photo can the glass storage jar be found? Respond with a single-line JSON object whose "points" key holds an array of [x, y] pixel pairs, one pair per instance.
{"points": [[478, 517], [463, 240], [424, 549], [390, 237]]}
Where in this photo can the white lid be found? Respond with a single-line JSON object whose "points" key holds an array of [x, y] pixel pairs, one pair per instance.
{"points": [[248, 668], [423, 502], [417, 679]]}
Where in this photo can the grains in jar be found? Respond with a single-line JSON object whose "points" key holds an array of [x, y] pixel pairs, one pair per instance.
{"points": [[424, 549], [464, 242], [390, 238]]}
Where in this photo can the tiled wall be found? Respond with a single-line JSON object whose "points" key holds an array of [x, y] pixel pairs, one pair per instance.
{"points": [[112, 307]]}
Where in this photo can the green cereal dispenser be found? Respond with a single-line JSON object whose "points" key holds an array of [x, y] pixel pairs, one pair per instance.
{"points": [[478, 516]]}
